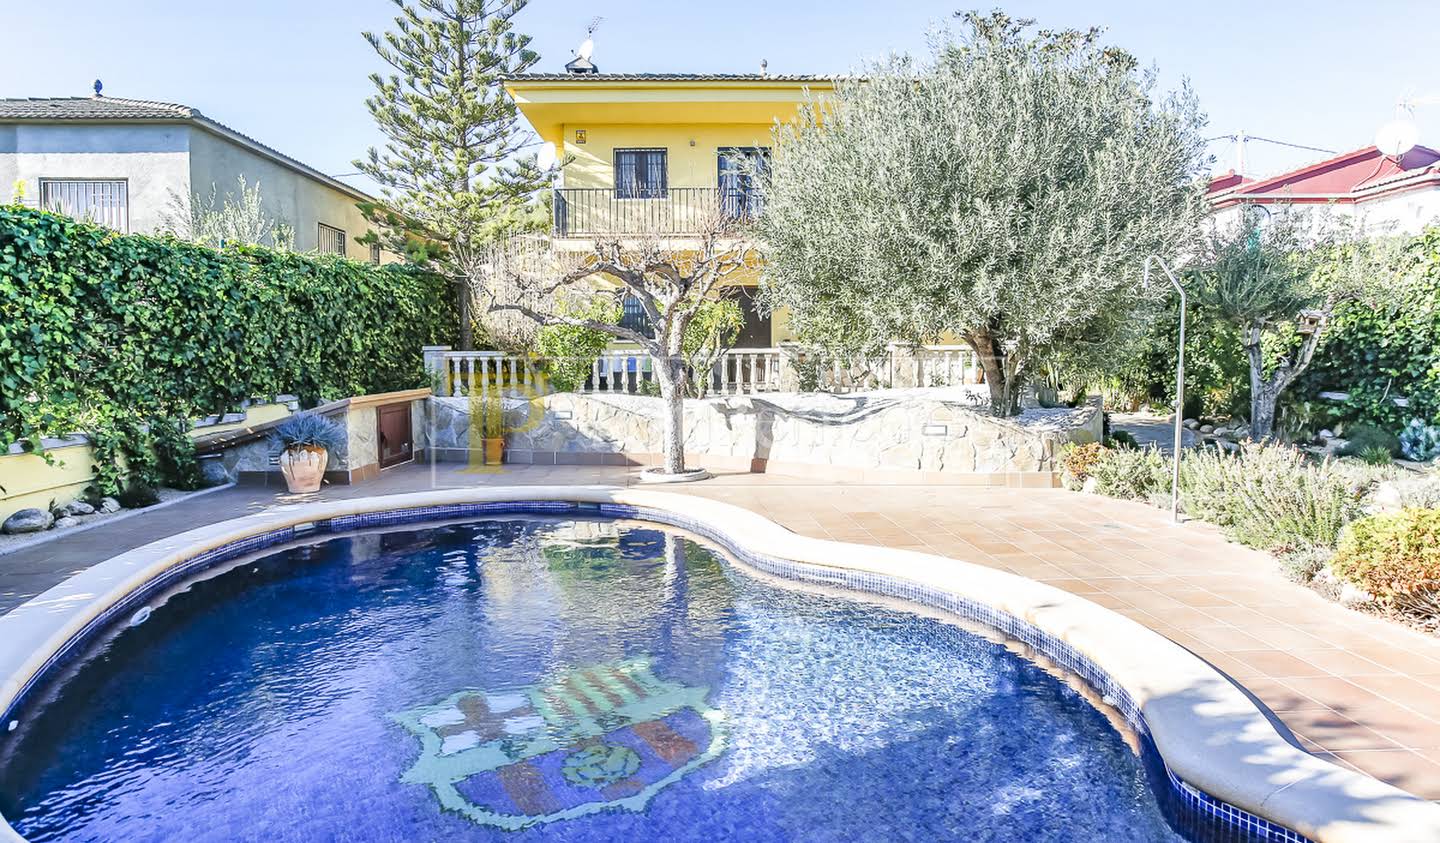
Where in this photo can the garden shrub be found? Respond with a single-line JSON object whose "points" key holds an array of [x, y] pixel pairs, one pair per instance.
{"points": [[1271, 497], [128, 336], [308, 430], [1304, 563], [1395, 557], [1124, 439], [1132, 474], [570, 351], [1080, 460], [137, 496], [1362, 437], [1217, 374]]}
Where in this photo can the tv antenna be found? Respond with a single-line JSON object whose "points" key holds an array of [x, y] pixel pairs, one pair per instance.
{"points": [[587, 47]]}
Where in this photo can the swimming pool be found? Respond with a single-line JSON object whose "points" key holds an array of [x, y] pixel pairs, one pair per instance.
{"points": [[577, 679]]}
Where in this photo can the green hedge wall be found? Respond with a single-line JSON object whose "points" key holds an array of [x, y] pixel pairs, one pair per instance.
{"points": [[111, 333], [1386, 348]]}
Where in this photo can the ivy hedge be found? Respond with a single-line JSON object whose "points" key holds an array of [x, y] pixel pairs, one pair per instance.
{"points": [[126, 337], [1379, 351]]}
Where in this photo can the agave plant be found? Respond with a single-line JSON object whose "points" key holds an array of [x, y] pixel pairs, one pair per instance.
{"points": [[1420, 442], [307, 430]]}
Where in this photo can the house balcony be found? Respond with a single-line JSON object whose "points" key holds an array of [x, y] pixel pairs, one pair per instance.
{"points": [[582, 212]]}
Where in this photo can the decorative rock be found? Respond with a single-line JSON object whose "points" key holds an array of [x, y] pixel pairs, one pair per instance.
{"points": [[1091, 485], [108, 505], [67, 521], [1207, 428], [1223, 431], [77, 508], [1325, 434], [1387, 497], [30, 520], [212, 470], [1227, 445], [1353, 596], [1192, 424]]}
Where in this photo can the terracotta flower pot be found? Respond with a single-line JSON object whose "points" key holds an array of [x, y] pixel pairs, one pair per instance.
{"points": [[494, 451], [304, 468]]}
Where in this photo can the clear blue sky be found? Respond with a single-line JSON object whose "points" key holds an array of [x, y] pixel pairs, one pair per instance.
{"points": [[292, 73]]}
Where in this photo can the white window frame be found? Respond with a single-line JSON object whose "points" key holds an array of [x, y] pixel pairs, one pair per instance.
{"points": [[120, 222]]}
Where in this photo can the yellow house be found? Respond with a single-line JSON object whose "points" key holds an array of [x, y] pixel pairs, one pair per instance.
{"points": [[651, 152]]}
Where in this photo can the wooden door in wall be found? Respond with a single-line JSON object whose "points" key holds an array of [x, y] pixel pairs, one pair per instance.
{"points": [[395, 438]]}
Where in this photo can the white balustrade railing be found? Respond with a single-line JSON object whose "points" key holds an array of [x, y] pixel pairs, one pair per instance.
{"points": [[739, 371]]}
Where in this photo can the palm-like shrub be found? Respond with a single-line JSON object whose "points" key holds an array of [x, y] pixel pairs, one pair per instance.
{"points": [[307, 430]]}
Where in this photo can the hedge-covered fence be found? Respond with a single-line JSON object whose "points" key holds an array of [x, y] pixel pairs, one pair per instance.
{"points": [[126, 337], [1378, 351]]}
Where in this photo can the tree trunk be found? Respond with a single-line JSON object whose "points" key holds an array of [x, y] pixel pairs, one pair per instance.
{"points": [[462, 292], [1004, 401], [1265, 392], [1263, 400], [670, 370]]}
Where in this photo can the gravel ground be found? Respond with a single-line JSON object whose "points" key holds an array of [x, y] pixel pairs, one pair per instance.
{"points": [[10, 543]]}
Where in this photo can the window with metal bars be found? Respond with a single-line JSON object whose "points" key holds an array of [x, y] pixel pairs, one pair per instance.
{"points": [[331, 240], [640, 174], [103, 201], [375, 253]]}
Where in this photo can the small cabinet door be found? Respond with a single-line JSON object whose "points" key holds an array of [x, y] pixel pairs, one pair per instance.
{"points": [[396, 443]]}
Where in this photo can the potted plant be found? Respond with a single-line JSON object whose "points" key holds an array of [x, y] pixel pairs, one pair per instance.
{"points": [[304, 442], [490, 416]]}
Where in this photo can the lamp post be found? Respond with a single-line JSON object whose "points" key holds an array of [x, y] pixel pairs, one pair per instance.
{"points": [[1179, 381]]}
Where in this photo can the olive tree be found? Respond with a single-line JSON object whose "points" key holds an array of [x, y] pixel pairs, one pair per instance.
{"points": [[675, 280], [1277, 278], [1004, 192]]}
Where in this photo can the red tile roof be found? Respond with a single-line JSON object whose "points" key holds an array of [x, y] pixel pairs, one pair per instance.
{"points": [[1350, 177]]}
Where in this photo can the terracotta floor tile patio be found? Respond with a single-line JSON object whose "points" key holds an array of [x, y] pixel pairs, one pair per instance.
{"points": [[1351, 687]]}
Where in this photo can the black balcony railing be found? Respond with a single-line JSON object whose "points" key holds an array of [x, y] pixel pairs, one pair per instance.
{"points": [[586, 211]]}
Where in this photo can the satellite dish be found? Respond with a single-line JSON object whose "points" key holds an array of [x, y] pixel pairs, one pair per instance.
{"points": [[546, 157], [1397, 138], [587, 49]]}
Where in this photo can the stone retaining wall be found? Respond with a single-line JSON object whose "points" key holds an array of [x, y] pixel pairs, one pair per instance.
{"points": [[899, 435]]}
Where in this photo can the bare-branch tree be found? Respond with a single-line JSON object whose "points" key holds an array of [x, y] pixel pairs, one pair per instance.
{"points": [[670, 277]]}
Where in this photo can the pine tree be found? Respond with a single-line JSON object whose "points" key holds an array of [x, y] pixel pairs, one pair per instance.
{"points": [[451, 172]]}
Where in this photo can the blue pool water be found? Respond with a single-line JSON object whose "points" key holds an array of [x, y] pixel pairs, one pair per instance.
{"points": [[573, 680]]}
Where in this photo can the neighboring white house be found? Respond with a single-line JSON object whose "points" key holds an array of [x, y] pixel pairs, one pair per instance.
{"points": [[1400, 195], [119, 162]]}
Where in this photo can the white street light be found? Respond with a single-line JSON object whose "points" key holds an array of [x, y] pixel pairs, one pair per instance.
{"points": [[1179, 382]]}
